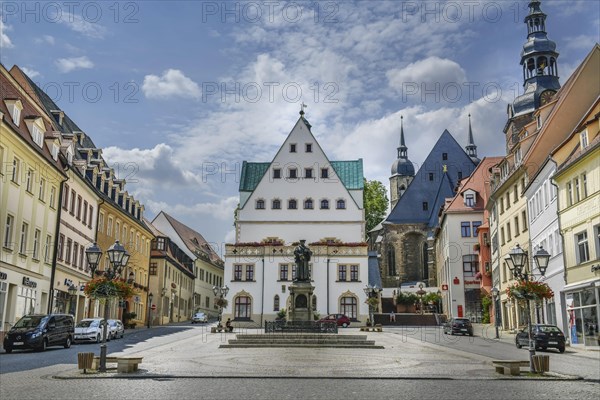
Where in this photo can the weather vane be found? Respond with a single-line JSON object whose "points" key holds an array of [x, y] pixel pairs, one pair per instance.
{"points": [[302, 107]]}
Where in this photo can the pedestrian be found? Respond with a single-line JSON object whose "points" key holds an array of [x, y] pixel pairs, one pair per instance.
{"points": [[392, 316], [228, 326]]}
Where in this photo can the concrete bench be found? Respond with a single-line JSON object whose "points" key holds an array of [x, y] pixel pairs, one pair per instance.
{"points": [[376, 328], [216, 329], [513, 366], [124, 364]]}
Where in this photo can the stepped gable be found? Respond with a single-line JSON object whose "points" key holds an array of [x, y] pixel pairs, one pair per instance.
{"points": [[448, 163]]}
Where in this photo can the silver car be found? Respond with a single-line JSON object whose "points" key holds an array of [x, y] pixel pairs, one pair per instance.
{"points": [[199, 317], [116, 329]]}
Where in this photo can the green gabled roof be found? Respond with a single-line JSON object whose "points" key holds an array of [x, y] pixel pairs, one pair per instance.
{"points": [[350, 173], [252, 173]]}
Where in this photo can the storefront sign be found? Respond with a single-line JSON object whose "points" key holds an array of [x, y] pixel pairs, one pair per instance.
{"points": [[444, 286], [28, 282]]}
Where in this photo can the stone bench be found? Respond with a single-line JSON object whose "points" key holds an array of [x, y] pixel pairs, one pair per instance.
{"points": [[124, 364], [216, 329], [513, 366]]}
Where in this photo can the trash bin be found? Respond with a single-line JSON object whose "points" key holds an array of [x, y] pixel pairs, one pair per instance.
{"points": [[84, 361], [541, 363]]}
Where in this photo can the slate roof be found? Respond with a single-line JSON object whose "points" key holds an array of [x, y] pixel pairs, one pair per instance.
{"points": [[350, 173], [409, 208]]}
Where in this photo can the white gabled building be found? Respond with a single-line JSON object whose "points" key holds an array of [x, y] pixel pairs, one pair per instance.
{"points": [[300, 194]]}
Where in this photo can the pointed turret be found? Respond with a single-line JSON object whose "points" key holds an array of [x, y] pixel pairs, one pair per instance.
{"points": [[471, 149], [403, 170]]}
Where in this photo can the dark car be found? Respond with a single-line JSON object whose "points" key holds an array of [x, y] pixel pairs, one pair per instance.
{"points": [[545, 336], [39, 331], [342, 319], [458, 325]]}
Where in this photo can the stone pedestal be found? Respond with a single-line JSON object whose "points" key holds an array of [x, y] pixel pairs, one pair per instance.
{"points": [[301, 302]]}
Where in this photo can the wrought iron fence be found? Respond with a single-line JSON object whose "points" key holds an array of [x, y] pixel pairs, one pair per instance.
{"points": [[301, 326]]}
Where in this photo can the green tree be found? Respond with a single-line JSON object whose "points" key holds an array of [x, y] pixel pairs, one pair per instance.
{"points": [[375, 202]]}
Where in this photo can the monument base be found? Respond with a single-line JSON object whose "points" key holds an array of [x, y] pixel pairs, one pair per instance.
{"points": [[301, 302]]}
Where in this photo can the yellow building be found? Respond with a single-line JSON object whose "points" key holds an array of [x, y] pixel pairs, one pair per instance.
{"points": [[578, 181], [30, 184]]}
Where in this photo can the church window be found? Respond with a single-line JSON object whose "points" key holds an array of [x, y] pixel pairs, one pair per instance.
{"points": [[391, 260], [292, 147], [308, 173], [308, 204], [341, 204], [324, 173], [243, 307], [444, 156], [309, 147], [348, 306], [276, 173], [425, 206], [276, 205], [292, 173], [292, 204], [324, 204], [276, 303], [260, 204]]}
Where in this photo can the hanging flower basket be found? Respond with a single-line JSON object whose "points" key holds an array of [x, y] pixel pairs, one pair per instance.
{"points": [[221, 302], [527, 290], [102, 288]]}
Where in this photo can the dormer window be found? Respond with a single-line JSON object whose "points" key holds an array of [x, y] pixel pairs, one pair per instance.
{"points": [[14, 108], [36, 129], [518, 156], [54, 151], [469, 197], [583, 139]]}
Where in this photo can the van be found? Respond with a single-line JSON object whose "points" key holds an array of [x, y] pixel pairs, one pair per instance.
{"points": [[38, 331]]}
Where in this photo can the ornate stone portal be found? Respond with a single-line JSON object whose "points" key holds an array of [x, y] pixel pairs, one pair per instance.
{"points": [[301, 290]]}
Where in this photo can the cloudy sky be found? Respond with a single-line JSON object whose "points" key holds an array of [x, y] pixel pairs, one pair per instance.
{"points": [[179, 93]]}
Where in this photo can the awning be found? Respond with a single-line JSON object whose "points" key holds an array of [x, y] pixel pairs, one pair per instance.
{"points": [[579, 285]]}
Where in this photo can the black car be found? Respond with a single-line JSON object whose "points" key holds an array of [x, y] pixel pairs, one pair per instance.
{"points": [[458, 325], [545, 336], [39, 331]]}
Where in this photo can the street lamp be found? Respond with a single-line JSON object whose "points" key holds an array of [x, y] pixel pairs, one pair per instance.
{"points": [[420, 293], [220, 292], [118, 257], [518, 258], [72, 292], [372, 292], [150, 297], [495, 292]]}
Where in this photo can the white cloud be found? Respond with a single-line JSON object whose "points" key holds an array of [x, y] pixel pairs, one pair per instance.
{"points": [[581, 42], [78, 24], [427, 73], [45, 39], [5, 42], [69, 64], [32, 73], [172, 83]]}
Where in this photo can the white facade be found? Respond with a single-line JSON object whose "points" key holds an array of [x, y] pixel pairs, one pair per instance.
{"points": [[544, 231], [267, 233]]}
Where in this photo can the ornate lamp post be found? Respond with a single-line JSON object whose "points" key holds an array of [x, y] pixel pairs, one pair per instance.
{"points": [[118, 257], [495, 292], [150, 297], [72, 292], [517, 265], [420, 293], [372, 292], [220, 293]]}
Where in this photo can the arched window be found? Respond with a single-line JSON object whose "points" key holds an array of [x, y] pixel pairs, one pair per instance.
{"points": [[276, 303], [276, 204], [242, 308], [260, 204], [292, 204], [391, 259], [314, 302], [542, 65], [308, 204], [324, 204], [348, 306], [341, 204]]}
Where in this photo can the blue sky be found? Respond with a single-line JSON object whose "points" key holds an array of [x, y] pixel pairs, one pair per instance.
{"points": [[179, 93]]}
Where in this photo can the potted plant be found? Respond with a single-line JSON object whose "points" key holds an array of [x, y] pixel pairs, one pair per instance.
{"points": [[127, 317], [281, 314], [405, 302]]}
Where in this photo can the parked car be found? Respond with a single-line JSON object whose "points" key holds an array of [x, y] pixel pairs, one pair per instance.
{"points": [[199, 317], [545, 336], [342, 319], [116, 329], [458, 325], [39, 331], [91, 330]]}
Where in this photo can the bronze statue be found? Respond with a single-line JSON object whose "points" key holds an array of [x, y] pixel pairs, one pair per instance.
{"points": [[302, 257]]}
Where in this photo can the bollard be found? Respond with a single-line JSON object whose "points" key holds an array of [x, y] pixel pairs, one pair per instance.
{"points": [[84, 361], [541, 363]]}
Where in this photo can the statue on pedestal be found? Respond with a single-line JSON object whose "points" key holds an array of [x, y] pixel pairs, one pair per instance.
{"points": [[302, 257]]}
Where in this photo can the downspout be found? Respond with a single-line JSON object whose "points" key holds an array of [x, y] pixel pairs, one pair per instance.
{"points": [[55, 249], [262, 301], [328, 259]]}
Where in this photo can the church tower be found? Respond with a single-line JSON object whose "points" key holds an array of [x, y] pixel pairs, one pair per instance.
{"points": [[540, 68], [470, 148], [403, 170]]}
